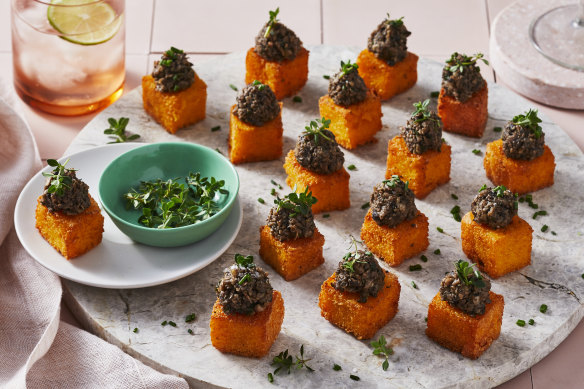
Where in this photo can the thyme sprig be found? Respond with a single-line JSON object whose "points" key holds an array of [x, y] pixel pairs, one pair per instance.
{"points": [[395, 22], [529, 120], [58, 180], [464, 271], [352, 257], [459, 64], [273, 20], [422, 109], [298, 203], [348, 67], [170, 203], [316, 128], [380, 348], [117, 130], [285, 361], [394, 180]]}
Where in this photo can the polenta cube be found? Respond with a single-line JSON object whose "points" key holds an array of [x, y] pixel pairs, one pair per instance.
{"points": [[292, 258], [424, 172], [71, 235], [247, 335], [519, 176], [468, 118], [384, 80], [249, 143], [353, 125], [331, 190], [497, 252], [394, 245], [175, 110], [462, 333], [360, 319], [284, 78]]}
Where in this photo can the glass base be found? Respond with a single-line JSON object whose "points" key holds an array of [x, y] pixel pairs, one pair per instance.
{"points": [[69, 110], [559, 35]]}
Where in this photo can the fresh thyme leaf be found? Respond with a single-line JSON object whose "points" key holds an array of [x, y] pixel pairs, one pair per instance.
{"points": [[190, 331], [459, 64], [190, 318], [164, 323], [476, 152], [259, 85], [316, 128], [554, 233], [455, 197], [285, 361], [276, 184], [273, 20], [354, 377], [261, 201], [434, 94], [326, 215], [297, 99], [437, 251], [464, 271], [497, 129], [416, 267], [380, 348], [440, 230], [273, 192], [135, 330], [326, 77], [348, 67], [539, 213], [529, 120], [424, 258], [233, 87], [544, 228], [543, 308], [337, 367], [298, 203], [422, 108], [246, 261], [520, 323], [219, 151], [216, 128], [531, 322], [117, 130], [414, 285], [171, 323], [483, 188], [58, 178], [352, 257], [365, 206], [352, 167], [455, 211], [270, 377]]}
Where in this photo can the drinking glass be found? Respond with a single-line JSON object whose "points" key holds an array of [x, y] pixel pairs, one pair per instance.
{"points": [[558, 34], [68, 55]]}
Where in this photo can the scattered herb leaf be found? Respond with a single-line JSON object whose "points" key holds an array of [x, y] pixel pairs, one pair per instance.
{"points": [[216, 128], [543, 308], [233, 87], [352, 167], [434, 94], [316, 128], [544, 228], [297, 99], [531, 322], [424, 258], [416, 267], [326, 77], [261, 201], [117, 130], [337, 367], [380, 348], [135, 330], [326, 215], [539, 213], [476, 152], [520, 323], [529, 120], [164, 323], [273, 20], [464, 271], [59, 181], [190, 318], [440, 230], [298, 203], [497, 129], [354, 377], [455, 197], [365, 206], [459, 64], [171, 323], [414, 285], [437, 252]]}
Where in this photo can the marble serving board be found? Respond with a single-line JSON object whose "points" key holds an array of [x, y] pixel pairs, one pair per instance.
{"points": [[553, 277]]}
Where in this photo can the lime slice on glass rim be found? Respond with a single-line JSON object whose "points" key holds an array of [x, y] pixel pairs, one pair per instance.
{"points": [[85, 22]]}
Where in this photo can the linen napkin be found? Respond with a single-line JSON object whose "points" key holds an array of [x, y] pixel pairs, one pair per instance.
{"points": [[37, 350]]}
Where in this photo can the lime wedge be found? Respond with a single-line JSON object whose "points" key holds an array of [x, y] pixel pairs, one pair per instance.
{"points": [[85, 22]]}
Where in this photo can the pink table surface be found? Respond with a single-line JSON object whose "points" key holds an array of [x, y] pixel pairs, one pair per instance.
{"points": [[206, 29]]}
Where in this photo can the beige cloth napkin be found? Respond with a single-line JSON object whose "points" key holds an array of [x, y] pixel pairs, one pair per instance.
{"points": [[37, 350]]}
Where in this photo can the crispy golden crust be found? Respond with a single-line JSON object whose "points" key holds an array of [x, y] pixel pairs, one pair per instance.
{"points": [[291, 258], [360, 319], [331, 190], [384, 80], [249, 143], [247, 335], [70, 235], [353, 125], [424, 172], [517, 175], [497, 252], [394, 245], [285, 78], [462, 333], [175, 110], [468, 118]]}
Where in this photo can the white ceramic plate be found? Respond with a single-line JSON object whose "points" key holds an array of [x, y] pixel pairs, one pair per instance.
{"points": [[117, 262]]}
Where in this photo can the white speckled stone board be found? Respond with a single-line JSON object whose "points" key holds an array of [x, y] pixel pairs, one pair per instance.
{"points": [[553, 278]]}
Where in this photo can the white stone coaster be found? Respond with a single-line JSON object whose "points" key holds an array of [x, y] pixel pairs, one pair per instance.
{"points": [[519, 65], [553, 278]]}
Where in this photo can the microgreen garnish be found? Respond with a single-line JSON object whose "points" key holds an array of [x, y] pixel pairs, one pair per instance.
{"points": [[246, 261], [365, 205], [216, 128], [434, 94], [455, 64], [350, 258], [483, 188], [455, 197], [529, 120], [233, 87], [416, 267], [437, 252], [348, 67], [455, 211], [395, 22], [169, 204], [464, 271], [414, 285], [520, 323], [298, 203], [259, 85], [499, 190], [190, 318], [351, 167], [539, 213], [273, 20], [380, 348], [354, 377], [261, 201], [497, 129], [135, 330], [476, 151], [117, 130], [316, 128], [394, 180], [297, 99], [544, 228], [424, 258], [285, 361], [422, 108], [543, 308], [531, 322], [244, 279], [58, 180]]}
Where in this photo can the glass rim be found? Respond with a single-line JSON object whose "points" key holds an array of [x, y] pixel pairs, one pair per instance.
{"points": [[81, 3]]}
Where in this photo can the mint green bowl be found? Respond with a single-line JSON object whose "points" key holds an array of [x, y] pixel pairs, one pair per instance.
{"points": [[165, 161]]}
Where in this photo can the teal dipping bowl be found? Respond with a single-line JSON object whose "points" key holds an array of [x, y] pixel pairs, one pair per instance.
{"points": [[165, 161]]}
